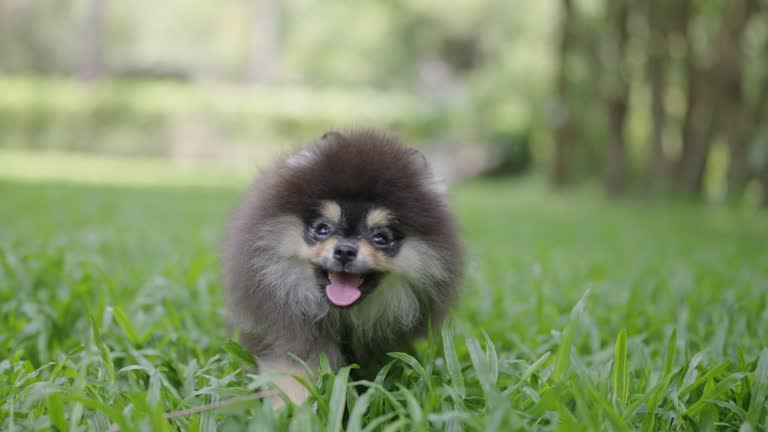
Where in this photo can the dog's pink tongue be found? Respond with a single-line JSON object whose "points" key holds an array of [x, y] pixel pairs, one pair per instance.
{"points": [[344, 288]]}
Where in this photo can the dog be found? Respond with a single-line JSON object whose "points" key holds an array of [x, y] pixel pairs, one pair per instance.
{"points": [[347, 248]]}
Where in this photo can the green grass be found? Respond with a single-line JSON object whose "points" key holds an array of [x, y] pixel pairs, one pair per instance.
{"points": [[576, 315], [88, 168]]}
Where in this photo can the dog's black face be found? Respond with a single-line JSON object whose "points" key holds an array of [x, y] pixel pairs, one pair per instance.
{"points": [[352, 246]]}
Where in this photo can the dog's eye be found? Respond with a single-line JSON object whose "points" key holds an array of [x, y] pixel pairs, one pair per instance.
{"points": [[381, 239], [322, 230]]}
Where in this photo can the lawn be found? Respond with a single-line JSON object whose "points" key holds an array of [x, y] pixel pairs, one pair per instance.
{"points": [[576, 315]]}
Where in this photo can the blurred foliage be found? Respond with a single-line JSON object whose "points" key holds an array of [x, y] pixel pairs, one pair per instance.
{"points": [[647, 91], [37, 37], [132, 117], [511, 152], [365, 43]]}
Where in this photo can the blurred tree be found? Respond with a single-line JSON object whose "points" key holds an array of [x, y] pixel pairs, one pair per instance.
{"points": [[561, 112], [701, 45], [35, 36], [91, 65], [659, 17], [615, 88], [763, 180], [265, 37], [336, 42], [652, 87], [746, 110], [713, 90]]}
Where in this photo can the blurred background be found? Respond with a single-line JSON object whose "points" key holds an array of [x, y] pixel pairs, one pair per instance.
{"points": [[647, 98]]}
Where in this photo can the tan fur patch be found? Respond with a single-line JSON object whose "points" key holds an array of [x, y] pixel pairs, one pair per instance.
{"points": [[331, 210], [296, 392], [377, 260], [417, 260], [286, 233], [324, 249], [379, 217]]}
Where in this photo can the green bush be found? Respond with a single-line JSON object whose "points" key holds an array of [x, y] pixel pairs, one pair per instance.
{"points": [[129, 117], [512, 152]]}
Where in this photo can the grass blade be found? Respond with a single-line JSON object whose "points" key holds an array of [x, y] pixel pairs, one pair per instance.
{"points": [[708, 412], [397, 425], [106, 359], [480, 363], [715, 371], [563, 358], [304, 366], [338, 400], [125, 324], [451, 359], [414, 408], [620, 377], [663, 383], [669, 361], [358, 411], [759, 389], [416, 366], [713, 391], [56, 412], [615, 419], [375, 423], [529, 371], [243, 355], [493, 359], [387, 394]]}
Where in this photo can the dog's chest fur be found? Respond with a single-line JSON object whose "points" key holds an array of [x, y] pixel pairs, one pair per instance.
{"points": [[380, 320]]}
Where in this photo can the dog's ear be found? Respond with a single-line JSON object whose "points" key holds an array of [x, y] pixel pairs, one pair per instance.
{"points": [[431, 180], [304, 157], [331, 135], [419, 158]]}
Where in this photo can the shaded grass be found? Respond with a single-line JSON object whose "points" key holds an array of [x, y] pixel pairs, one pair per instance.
{"points": [[577, 315]]}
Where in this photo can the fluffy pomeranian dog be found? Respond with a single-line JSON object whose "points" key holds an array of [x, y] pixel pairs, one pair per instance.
{"points": [[346, 248]]}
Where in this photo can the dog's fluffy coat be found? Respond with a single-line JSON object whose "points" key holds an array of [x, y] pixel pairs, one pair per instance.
{"points": [[271, 263]]}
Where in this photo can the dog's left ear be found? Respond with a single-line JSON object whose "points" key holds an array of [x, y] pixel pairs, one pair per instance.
{"points": [[433, 182], [419, 158]]}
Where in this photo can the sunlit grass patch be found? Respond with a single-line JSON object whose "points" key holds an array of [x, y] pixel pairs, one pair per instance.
{"points": [[84, 168]]}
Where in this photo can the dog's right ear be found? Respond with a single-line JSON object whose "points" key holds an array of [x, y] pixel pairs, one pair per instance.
{"points": [[304, 157], [331, 135]]}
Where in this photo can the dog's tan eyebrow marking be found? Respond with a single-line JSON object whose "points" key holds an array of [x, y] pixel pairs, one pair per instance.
{"points": [[379, 216], [331, 210]]}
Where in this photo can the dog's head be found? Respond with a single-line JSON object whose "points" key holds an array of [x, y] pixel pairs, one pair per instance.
{"points": [[353, 222]]}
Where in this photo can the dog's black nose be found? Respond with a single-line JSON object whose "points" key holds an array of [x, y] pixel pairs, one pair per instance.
{"points": [[345, 252]]}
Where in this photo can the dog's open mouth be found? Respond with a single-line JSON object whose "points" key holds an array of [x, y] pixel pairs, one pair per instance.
{"points": [[345, 289]]}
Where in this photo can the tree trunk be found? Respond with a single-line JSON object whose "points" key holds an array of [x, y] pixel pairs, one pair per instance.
{"points": [[692, 154], [617, 100], [695, 148], [265, 41], [743, 126], [92, 64], [738, 135], [763, 179], [615, 168], [713, 93], [658, 58], [561, 112]]}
